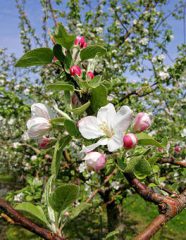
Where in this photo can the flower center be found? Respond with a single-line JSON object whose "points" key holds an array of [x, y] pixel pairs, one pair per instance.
{"points": [[107, 131]]}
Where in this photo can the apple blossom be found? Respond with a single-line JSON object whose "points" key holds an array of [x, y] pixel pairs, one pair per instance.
{"points": [[75, 70], [44, 142], [177, 149], [142, 122], [129, 140], [39, 124], [95, 160], [80, 41], [163, 75], [108, 124], [90, 75]]}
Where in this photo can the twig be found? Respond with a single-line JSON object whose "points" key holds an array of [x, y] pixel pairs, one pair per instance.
{"points": [[105, 182], [172, 160], [26, 223]]}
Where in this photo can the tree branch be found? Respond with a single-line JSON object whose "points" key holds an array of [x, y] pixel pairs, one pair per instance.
{"points": [[171, 208], [168, 207], [26, 223], [172, 160]]}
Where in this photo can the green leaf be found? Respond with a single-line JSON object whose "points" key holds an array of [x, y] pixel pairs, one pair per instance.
{"points": [[144, 139], [98, 97], [33, 211], [77, 210], [95, 82], [91, 51], [57, 121], [58, 53], [58, 154], [63, 38], [142, 168], [131, 164], [36, 57], [59, 86], [121, 164], [112, 235], [71, 128], [81, 109], [63, 197]]}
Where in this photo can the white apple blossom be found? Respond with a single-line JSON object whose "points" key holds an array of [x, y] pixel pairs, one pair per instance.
{"points": [[33, 158], [183, 134], [16, 145], [108, 124], [19, 197], [144, 41], [39, 124], [82, 167], [11, 121], [115, 185], [163, 75]]}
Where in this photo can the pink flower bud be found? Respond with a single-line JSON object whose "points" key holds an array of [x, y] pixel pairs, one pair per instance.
{"points": [[95, 160], [54, 59], [75, 70], [90, 75], [44, 142], [160, 149], [129, 140], [80, 41], [177, 149], [142, 122]]}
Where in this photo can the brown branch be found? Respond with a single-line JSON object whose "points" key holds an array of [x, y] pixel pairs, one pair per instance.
{"points": [[172, 160], [26, 223], [99, 189], [138, 92], [168, 207], [171, 208]]}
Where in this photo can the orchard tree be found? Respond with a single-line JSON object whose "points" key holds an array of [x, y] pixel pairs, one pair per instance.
{"points": [[94, 136]]}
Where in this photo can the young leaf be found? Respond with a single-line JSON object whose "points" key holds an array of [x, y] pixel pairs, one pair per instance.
{"points": [[91, 51], [63, 196], [81, 109], [98, 97], [33, 211], [142, 168], [58, 53], [57, 121], [36, 57], [63, 38], [58, 154], [59, 86], [95, 82], [71, 128], [74, 212], [145, 139]]}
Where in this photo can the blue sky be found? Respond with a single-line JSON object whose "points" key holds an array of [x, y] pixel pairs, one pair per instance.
{"points": [[9, 21]]}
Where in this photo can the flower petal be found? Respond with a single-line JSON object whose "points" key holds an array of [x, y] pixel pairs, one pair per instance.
{"points": [[40, 110], [115, 142], [37, 127], [107, 115], [123, 119], [91, 147], [89, 128]]}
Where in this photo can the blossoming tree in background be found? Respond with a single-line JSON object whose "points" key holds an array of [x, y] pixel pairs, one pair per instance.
{"points": [[92, 132]]}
